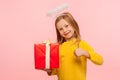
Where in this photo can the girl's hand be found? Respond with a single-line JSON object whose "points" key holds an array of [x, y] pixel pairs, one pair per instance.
{"points": [[49, 71], [80, 52]]}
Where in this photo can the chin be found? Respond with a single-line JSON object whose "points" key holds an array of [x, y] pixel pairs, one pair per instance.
{"points": [[69, 38]]}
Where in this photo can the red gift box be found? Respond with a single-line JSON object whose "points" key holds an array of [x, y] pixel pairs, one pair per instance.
{"points": [[46, 56]]}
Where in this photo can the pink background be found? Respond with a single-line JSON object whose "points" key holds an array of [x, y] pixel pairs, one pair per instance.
{"points": [[24, 22]]}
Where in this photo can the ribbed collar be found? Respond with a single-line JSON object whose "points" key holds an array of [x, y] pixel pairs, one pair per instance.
{"points": [[69, 42]]}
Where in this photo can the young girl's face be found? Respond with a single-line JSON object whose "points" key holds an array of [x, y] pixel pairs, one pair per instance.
{"points": [[65, 29]]}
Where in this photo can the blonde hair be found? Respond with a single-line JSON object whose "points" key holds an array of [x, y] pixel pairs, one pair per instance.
{"points": [[69, 18]]}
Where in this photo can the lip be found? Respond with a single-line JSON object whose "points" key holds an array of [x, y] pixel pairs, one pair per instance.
{"points": [[66, 33]]}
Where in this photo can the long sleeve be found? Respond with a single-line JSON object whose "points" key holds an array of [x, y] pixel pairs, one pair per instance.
{"points": [[94, 57], [72, 67]]}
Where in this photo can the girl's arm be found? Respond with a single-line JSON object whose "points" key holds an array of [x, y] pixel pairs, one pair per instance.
{"points": [[94, 57], [86, 50]]}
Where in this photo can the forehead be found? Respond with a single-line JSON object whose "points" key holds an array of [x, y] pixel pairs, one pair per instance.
{"points": [[62, 23]]}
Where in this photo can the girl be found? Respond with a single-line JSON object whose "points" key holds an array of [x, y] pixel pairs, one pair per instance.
{"points": [[74, 52]]}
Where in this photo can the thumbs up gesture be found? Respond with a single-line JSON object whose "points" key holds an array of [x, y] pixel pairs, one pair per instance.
{"points": [[80, 52]]}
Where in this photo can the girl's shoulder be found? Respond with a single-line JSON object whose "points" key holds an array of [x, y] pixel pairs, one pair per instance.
{"points": [[83, 42]]}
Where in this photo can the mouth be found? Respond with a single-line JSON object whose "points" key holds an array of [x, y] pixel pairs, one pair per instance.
{"points": [[66, 33]]}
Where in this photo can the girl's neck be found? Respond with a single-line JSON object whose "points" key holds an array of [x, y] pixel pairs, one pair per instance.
{"points": [[70, 39]]}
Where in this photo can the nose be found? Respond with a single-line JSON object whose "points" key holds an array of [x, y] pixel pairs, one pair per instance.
{"points": [[64, 29]]}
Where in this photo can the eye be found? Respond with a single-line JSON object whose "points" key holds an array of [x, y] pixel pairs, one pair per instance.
{"points": [[60, 29], [66, 26]]}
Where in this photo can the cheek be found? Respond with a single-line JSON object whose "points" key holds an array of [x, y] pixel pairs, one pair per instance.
{"points": [[60, 32], [72, 29]]}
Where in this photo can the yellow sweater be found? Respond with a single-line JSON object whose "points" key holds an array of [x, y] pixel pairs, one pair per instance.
{"points": [[72, 67]]}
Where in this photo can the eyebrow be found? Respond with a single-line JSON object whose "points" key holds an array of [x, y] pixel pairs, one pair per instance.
{"points": [[65, 24]]}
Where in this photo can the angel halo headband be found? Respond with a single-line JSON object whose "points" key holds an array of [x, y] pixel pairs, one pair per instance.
{"points": [[62, 14], [57, 10]]}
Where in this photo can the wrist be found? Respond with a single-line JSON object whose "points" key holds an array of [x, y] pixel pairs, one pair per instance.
{"points": [[87, 54]]}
